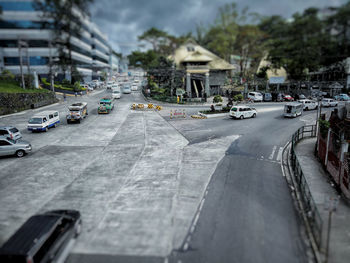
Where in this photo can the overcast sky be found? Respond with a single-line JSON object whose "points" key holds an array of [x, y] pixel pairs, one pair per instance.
{"points": [[123, 20]]}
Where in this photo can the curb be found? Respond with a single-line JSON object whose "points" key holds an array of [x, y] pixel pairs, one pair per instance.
{"points": [[215, 115], [288, 174]]}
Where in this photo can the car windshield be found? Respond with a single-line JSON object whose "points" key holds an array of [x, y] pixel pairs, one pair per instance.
{"points": [[35, 121], [116, 91]]}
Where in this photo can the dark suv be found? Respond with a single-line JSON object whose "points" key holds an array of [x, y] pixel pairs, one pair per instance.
{"points": [[42, 238]]}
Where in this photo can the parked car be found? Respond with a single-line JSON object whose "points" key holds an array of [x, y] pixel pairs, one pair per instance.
{"points": [[10, 132], [43, 121], [287, 97], [342, 97], [329, 102], [301, 97], [42, 238], [242, 112], [293, 109], [134, 87], [255, 96], [308, 104], [13, 147], [267, 97]]}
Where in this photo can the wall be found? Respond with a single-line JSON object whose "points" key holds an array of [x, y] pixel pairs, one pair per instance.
{"points": [[15, 102]]}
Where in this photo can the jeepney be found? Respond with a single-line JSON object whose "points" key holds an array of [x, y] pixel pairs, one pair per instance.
{"points": [[293, 109], [105, 105], [77, 112]]}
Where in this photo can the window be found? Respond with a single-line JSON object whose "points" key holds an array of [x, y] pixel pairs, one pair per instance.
{"points": [[241, 109], [11, 24], [17, 6], [34, 61], [35, 121], [44, 120], [3, 132], [50, 116], [4, 143], [13, 130], [56, 114]]}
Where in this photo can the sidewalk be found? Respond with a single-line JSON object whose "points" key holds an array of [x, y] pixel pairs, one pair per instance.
{"points": [[321, 189]]}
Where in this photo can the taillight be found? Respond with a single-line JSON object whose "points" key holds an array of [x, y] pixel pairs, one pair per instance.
{"points": [[11, 135]]}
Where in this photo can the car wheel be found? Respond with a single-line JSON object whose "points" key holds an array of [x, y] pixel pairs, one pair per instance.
{"points": [[20, 153], [46, 129], [55, 125], [306, 108], [254, 115], [241, 117]]}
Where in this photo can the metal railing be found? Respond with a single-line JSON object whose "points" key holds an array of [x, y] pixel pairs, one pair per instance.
{"points": [[309, 204]]}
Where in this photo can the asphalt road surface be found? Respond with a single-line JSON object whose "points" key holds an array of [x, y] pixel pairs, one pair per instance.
{"points": [[246, 215]]}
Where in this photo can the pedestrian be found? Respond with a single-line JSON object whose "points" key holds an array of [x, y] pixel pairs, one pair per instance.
{"points": [[64, 97], [81, 93], [76, 94]]}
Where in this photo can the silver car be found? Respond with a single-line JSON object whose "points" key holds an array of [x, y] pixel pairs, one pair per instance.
{"points": [[12, 147], [10, 132]]}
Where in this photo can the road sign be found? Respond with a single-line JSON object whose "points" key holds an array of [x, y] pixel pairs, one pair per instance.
{"points": [[276, 80], [180, 92]]}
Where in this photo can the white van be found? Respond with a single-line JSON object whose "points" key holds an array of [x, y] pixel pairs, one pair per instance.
{"points": [[255, 96], [43, 121], [242, 112], [309, 104]]}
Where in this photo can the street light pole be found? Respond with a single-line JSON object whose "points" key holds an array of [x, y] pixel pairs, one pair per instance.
{"points": [[21, 63]]}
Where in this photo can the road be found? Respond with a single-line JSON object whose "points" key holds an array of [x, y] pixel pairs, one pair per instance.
{"points": [[139, 181], [248, 213]]}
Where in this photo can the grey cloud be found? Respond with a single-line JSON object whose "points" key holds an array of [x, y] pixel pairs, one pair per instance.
{"points": [[124, 20]]}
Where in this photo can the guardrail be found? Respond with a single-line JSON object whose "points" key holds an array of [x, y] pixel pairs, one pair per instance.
{"points": [[309, 204]]}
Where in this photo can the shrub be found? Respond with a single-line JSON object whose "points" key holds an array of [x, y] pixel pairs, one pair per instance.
{"points": [[238, 97], [324, 126], [7, 75], [77, 86], [217, 98]]}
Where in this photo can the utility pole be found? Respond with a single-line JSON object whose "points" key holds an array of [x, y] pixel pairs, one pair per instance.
{"points": [[50, 68], [21, 63]]}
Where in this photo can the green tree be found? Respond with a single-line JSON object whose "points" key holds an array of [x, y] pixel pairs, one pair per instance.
{"points": [[297, 46], [64, 18], [249, 46], [143, 59], [155, 37]]}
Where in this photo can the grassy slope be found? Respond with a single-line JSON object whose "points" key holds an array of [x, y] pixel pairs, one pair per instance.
{"points": [[13, 87]]}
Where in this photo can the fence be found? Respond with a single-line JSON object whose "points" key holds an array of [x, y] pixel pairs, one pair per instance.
{"points": [[309, 204]]}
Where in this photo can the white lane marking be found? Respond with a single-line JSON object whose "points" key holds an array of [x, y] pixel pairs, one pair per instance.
{"points": [[279, 155], [273, 152]]}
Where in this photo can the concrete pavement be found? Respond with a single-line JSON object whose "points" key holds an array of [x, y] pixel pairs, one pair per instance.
{"points": [[135, 179], [322, 189]]}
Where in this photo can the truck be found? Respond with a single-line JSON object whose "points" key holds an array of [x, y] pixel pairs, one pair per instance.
{"points": [[77, 112], [105, 105]]}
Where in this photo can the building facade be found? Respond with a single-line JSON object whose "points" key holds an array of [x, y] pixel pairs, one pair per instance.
{"points": [[22, 38], [206, 73]]}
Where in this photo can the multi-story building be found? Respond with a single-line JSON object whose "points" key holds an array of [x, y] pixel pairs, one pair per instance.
{"points": [[21, 23]]}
